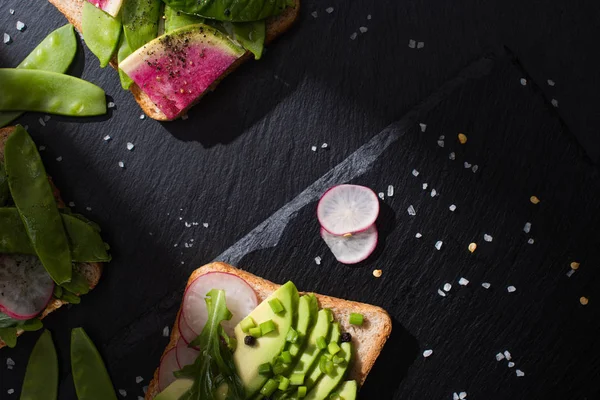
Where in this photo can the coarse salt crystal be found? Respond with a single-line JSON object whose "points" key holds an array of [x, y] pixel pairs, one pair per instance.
{"points": [[463, 282], [467, 165], [130, 146], [390, 191], [107, 138], [314, 14], [145, 389], [511, 289], [42, 122], [423, 126], [475, 168], [11, 11], [121, 164], [329, 10], [420, 45], [369, 16], [165, 331], [415, 172], [438, 244], [433, 192], [187, 224], [441, 293], [143, 116], [10, 363], [42, 148], [570, 273], [447, 287], [452, 156], [551, 82], [71, 204], [412, 44], [452, 208], [487, 238], [59, 159], [530, 241], [122, 392], [411, 210], [424, 186], [185, 117], [511, 364], [427, 353], [353, 36], [46, 118], [418, 235], [381, 195], [20, 26], [440, 143], [324, 145], [486, 285], [455, 396], [527, 227], [363, 29], [507, 355], [318, 260], [10, 391], [520, 373], [205, 224], [110, 104], [313, 148], [523, 81], [499, 357], [89, 208], [140, 398], [554, 102], [6, 38], [462, 395]]}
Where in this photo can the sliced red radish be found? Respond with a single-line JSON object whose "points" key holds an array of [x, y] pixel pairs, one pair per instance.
{"points": [[352, 248], [185, 355], [347, 209], [187, 334], [111, 7], [241, 300], [168, 365], [25, 286]]}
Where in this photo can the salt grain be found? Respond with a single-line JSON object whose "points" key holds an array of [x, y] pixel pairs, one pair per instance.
{"points": [[11, 11], [381, 195], [511, 289], [554, 102], [363, 29], [530, 241], [452, 208], [467, 165], [110, 104], [441, 293], [511, 364], [329, 10], [107, 138], [411, 210], [10, 363], [59, 159], [122, 392], [507, 355], [438, 244], [313, 148], [324, 145], [71, 204], [314, 14], [10, 391], [427, 353], [390, 191], [455, 396], [475, 168], [6, 38], [433, 193], [412, 44], [499, 357], [145, 389], [462, 395], [88, 208], [165, 331], [42, 148], [130, 146], [520, 373], [318, 260], [440, 143], [463, 282], [415, 172], [527, 227], [20, 26], [523, 81], [452, 156], [143, 116], [42, 122], [205, 224], [185, 117], [551, 82], [418, 235], [487, 238], [353, 36], [570, 273], [369, 16], [121, 164], [486, 285], [423, 126], [447, 287], [420, 45]]}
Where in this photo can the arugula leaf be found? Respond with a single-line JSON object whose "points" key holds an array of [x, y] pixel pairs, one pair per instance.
{"points": [[214, 366], [230, 10]]}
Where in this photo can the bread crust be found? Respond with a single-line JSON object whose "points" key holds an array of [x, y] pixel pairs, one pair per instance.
{"points": [[367, 340], [92, 271], [276, 26]]}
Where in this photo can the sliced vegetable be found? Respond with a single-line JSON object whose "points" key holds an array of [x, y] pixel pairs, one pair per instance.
{"points": [[267, 327], [185, 331], [241, 299], [4, 190], [41, 376], [33, 197], [111, 7], [124, 52], [354, 248], [55, 53], [101, 32], [230, 10], [185, 355], [167, 368], [140, 21], [176, 19], [89, 373], [251, 35], [9, 336], [347, 209], [49, 92], [356, 319]]}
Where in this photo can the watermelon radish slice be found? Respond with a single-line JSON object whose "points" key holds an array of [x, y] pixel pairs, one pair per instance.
{"points": [[25, 286], [241, 300], [187, 334], [168, 365], [111, 7], [185, 355], [176, 68], [352, 248], [347, 209]]}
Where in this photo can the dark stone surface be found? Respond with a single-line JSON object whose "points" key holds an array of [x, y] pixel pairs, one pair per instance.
{"points": [[245, 152]]}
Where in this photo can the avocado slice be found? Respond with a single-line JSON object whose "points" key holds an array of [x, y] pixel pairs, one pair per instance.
{"points": [[308, 308], [316, 373], [312, 351], [247, 359], [328, 383], [347, 390], [175, 390]]}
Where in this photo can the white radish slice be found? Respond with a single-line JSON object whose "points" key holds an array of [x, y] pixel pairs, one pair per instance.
{"points": [[347, 209], [240, 297], [187, 334], [352, 249], [168, 365], [185, 355], [25, 286]]}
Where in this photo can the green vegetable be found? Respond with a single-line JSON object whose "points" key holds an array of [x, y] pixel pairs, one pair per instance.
{"points": [[41, 376], [214, 365], [267, 327], [251, 35], [284, 383], [124, 52], [78, 285], [269, 388], [286, 357], [356, 319], [27, 325], [333, 348], [55, 53], [321, 342], [302, 391], [9, 336], [176, 19], [247, 323], [85, 242], [4, 190], [279, 368], [230, 10], [140, 21], [49, 92], [70, 297], [296, 379], [276, 305], [256, 332], [265, 369], [101, 32], [89, 373], [33, 197], [32, 325], [292, 335]]}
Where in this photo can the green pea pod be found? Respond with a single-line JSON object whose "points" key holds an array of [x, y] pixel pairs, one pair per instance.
{"points": [[251, 35], [41, 376], [176, 19], [9, 336], [140, 21], [101, 32], [4, 190], [32, 325], [70, 297], [231, 10], [55, 53], [78, 284], [89, 373], [124, 52], [49, 92], [35, 202], [84, 240]]}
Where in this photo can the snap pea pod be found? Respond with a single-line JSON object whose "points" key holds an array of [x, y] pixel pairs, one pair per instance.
{"points": [[55, 53], [49, 92], [140, 21], [28, 325], [9, 336], [35, 202], [251, 36], [85, 242], [176, 19], [89, 373], [232, 10], [41, 376], [101, 32], [4, 191], [124, 52]]}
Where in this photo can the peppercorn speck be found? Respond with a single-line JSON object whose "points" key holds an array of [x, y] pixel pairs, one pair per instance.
{"points": [[249, 340], [346, 337]]}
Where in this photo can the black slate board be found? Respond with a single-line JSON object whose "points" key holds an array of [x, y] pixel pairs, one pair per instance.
{"points": [[245, 152]]}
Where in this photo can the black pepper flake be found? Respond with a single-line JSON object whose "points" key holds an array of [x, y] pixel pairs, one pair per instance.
{"points": [[346, 337], [227, 12], [249, 340]]}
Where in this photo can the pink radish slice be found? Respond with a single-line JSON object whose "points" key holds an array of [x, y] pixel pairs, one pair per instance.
{"points": [[25, 286], [111, 7], [241, 300], [352, 249], [347, 209], [185, 355], [187, 334], [168, 365]]}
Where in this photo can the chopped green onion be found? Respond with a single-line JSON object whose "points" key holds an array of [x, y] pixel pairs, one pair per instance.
{"points": [[247, 323], [269, 388], [329, 367], [286, 357], [264, 369], [256, 332], [276, 305], [284, 383], [292, 335], [301, 391], [330, 315], [279, 368], [337, 360], [333, 348], [297, 379], [294, 349], [321, 342], [357, 319], [267, 327]]}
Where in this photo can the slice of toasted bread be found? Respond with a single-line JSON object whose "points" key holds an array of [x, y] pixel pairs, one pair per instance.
{"points": [[275, 27], [92, 271], [367, 340]]}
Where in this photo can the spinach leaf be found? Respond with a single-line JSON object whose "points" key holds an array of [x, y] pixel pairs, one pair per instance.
{"points": [[214, 366], [251, 35], [9, 336], [230, 10]]}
